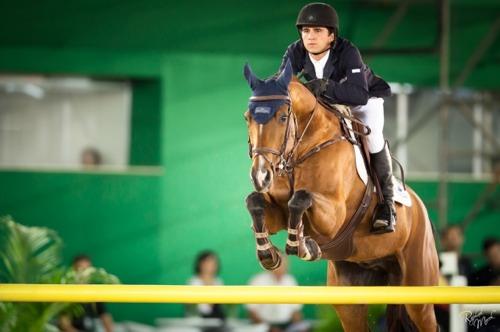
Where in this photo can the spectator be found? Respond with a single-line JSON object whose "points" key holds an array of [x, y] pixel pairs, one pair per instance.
{"points": [[206, 270], [452, 240], [92, 311], [91, 157], [488, 275], [279, 317]]}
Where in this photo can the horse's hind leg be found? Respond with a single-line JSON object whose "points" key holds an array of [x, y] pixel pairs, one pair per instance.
{"points": [[298, 244], [421, 268], [265, 218]]}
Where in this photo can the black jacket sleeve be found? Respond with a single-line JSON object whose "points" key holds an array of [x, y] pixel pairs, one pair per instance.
{"points": [[293, 54], [353, 88]]}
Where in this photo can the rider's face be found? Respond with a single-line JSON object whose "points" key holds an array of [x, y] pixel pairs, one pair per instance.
{"points": [[316, 39]]}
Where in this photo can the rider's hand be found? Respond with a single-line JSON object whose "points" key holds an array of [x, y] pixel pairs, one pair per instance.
{"points": [[317, 86]]}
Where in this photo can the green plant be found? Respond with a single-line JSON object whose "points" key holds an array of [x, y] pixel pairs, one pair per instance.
{"points": [[33, 255]]}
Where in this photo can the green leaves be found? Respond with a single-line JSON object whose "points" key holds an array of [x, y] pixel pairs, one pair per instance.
{"points": [[27, 254], [33, 255]]}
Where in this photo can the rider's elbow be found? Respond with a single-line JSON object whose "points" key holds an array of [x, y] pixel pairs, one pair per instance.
{"points": [[361, 98]]}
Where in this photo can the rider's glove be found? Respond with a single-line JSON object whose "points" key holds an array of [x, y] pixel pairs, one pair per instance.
{"points": [[317, 86]]}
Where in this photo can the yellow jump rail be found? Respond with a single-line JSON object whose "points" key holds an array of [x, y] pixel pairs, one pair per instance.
{"points": [[246, 294]]}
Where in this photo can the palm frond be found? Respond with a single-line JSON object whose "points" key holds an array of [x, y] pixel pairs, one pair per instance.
{"points": [[27, 254]]}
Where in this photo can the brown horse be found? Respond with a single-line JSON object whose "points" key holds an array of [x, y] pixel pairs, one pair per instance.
{"points": [[303, 171]]}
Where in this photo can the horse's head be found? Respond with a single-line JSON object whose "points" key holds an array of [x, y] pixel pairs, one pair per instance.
{"points": [[267, 119], [271, 123]]}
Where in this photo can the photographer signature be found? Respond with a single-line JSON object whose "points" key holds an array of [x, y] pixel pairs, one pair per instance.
{"points": [[478, 319]]}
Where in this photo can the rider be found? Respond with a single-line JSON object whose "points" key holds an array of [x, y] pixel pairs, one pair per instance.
{"points": [[335, 71]]}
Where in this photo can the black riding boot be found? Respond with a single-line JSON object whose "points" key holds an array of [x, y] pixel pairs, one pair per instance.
{"points": [[384, 218]]}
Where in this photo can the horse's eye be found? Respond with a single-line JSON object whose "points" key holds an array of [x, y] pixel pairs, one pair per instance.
{"points": [[283, 118]]}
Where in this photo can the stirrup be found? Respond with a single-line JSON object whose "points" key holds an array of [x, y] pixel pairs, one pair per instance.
{"points": [[381, 226], [388, 228]]}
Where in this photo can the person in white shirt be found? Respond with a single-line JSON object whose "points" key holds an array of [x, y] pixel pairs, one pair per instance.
{"points": [[279, 317], [206, 270]]}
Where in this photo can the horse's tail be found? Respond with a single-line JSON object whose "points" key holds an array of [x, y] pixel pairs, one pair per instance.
{"points": [[398, 319]]}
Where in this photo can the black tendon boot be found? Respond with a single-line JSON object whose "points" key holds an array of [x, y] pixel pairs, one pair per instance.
{"points": [[384, 218]]}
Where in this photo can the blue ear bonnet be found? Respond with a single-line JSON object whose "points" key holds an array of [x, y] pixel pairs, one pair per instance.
{"points": [[263, 111]]}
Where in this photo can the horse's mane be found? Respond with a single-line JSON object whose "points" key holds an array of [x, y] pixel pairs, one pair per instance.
{"points": [[300, 93]]}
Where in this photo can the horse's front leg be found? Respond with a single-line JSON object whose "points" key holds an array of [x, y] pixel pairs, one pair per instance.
{"points": [[266, 218], [298, 244]]}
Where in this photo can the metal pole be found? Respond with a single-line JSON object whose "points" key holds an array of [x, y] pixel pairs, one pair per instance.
{"points": [[444, 114], [402, 128], [477, 139]]}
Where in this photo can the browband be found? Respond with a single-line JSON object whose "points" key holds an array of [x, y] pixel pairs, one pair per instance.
{"points": [[271, 97]]}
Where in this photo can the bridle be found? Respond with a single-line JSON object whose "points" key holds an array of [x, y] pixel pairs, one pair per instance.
{"points": [[287, 158], [262, 151]]}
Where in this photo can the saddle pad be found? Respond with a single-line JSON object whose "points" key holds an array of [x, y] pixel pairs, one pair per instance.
{"points": [[400, 194]]}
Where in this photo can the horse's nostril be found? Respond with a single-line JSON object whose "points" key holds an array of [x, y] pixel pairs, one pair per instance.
{"points": [[268, 176]]}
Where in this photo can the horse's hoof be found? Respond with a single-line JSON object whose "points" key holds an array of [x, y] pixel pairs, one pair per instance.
{"points": [[310, 250], [268, 260]]}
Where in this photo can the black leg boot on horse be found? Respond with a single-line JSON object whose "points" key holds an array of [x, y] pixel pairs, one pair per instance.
{"points": [[384, 218], [297, 243], [267, 254]]}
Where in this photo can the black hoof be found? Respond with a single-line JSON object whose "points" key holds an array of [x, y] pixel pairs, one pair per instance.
{"points": [[269, 260], [313, 248]]}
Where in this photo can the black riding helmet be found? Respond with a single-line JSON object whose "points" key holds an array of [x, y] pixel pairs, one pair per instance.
{"points": [[318, 14]]}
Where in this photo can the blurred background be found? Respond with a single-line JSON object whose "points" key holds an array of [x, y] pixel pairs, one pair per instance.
{"points": [[121, 124]]}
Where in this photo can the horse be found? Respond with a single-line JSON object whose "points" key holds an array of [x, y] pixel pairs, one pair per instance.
{"points": [[305, 180]]}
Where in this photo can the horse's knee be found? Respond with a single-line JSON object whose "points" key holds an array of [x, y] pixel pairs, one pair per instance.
{"points": [[255, 201], [301, 200]]}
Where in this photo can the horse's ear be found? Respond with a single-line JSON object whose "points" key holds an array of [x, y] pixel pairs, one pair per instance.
{"points": [[252, 80], [286, 75]]}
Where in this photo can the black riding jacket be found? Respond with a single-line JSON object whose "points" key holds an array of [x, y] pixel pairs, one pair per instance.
{"points": [[350, 81]]}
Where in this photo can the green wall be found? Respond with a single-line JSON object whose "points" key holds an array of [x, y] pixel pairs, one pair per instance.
{"points": [[145, 141]]}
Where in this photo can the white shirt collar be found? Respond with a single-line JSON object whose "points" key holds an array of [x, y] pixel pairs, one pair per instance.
{"points": [[319, 65]]}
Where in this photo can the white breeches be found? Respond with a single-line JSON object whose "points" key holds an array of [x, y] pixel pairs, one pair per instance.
{"points": [[372, 114]]}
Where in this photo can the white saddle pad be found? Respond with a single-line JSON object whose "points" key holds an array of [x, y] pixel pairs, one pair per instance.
{"points": [[400, 194]]}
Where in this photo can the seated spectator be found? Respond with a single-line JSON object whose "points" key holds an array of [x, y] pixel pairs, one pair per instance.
{"points": [[91, 157], [488, 275], [452, 240], [92, 311], [279, 317], [206, 270]]}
